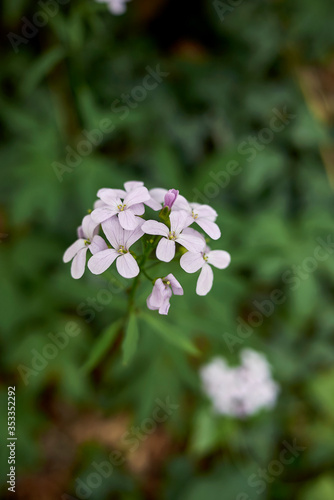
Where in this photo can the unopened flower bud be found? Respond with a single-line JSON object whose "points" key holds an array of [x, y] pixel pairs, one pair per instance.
{"points": [[170, 198]]}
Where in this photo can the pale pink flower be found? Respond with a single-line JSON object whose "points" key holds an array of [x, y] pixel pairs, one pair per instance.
{"points": [[166, 247], [127, 209], [192, 261], [203, 215], [243, 390], [131, 186], [162, 291], [151, 202], [121, 240], [87, 239]]}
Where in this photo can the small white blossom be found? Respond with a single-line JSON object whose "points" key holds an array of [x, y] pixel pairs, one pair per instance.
{"points": [[116, 7], [243, 390]]}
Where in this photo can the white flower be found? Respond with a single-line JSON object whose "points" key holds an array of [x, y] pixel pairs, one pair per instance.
{"points": [[150, 202], [162, 291], [203, 215], [121, 241], [166, 246], [87, 239], [127, 205], [242, 390], [193, 261], [116, 7]]}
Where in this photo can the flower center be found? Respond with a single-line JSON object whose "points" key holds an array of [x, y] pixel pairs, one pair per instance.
{"points": [[166, 282], [172, 235], [205, 257], [122, 249], [87, 242], [194, 215], [121, 207]]}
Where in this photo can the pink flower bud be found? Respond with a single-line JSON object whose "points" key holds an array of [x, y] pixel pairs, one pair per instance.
{"points": [[170, 198]]}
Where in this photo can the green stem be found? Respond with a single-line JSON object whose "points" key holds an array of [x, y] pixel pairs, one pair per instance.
{"points": [[132, 292], [147, 276], [141, 263], [154, 264]]}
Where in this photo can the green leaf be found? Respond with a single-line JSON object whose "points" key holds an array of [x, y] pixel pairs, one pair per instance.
{"points": [[321, 390], [41, 68], [171, 334], [321, 488], [131, 339], [102, 345], [204, 436]]}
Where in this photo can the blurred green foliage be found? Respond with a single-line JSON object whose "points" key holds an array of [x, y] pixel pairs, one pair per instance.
{"points": [[225, 80]]}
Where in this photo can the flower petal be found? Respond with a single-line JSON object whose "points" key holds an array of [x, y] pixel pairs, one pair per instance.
{"points": [[165, 250], [209, 227], [78, 264], [73, 250], [164, 308], [89, 227], [176, 287], [138, 195], [101, 261], [158, 194], [127, 219], [219, 258], [156, 297], [204, 211], [103, 213], [155, 227], [149, 303], [97, 245], [152, 203], [80, 233], [131, 185], [98, 204], [138, 209], [193, 232], [181, 204], [114, 232], [192, 262], [190, 242], [205, 280], [127, 266], [179, 220], [110, 195], [130, 237]]}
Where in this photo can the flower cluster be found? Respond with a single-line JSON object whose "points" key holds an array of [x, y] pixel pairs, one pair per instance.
{"points": [[119, 213], [242, 390]]}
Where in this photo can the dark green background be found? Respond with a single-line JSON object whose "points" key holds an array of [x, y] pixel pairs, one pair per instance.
{"points": [[225, 78]]}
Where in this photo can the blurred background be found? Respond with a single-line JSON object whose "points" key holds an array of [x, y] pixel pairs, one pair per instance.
{"points": [[232, 103]]}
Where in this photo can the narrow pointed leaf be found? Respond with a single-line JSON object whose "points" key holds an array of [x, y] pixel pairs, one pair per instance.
{"points": [[102, 345], [171, 334], [131, 339]]}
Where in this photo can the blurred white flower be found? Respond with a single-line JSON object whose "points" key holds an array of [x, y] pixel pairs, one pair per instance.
{"points": [[116, 7], [243, 390]]}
